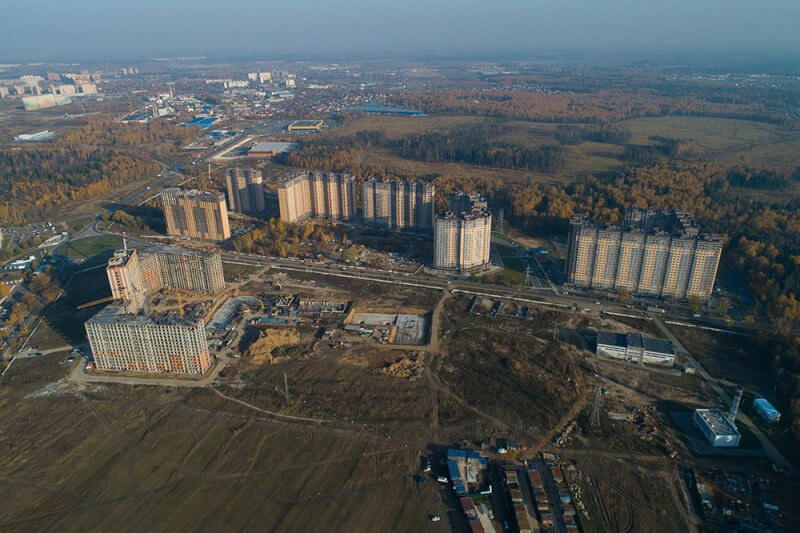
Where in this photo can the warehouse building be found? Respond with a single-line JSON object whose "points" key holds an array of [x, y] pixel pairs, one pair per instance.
{"points": [[305, 125], [121, 341], [716, 427], [634, 347]]}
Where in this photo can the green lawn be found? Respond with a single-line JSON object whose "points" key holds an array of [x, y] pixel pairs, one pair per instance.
{"points": [[92, 246], [514, 271]]}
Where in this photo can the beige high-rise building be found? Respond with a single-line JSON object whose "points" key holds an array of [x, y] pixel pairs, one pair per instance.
{"points": [[132, 274], [462, 241], [196, 214], [122, 341], [399, 205], [324, 195], [245, 190], [657, 253]]}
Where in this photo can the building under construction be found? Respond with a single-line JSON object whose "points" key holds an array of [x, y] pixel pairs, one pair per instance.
{"points": [[133, 275], [122, 341]]}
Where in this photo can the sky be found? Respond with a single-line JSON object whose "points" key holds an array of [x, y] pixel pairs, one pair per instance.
{"points": [[129, 29]]}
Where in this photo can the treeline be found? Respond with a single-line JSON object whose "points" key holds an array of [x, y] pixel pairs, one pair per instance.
{"points": [[472, 144], [33, 181], [659, 147], [752, 178], [85, 163], [603, 133], [106, 132], [601, 106]]}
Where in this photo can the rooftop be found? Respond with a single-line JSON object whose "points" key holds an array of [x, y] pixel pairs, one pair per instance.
{"points": [[194, 193], [718, 422], [634, 340], [119, 313], [272, 147]]}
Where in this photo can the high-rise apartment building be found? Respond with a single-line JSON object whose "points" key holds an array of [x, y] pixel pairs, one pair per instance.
{"points": [[461, 202], [122, 341], [399, 205], [462, 241], [245, 190], [196, 214], [132, 274], [324, 195], [656, 252]]}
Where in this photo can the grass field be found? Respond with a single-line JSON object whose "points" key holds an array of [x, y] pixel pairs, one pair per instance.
{"points": [[63, 323], [91, 246], [232, 271], [728, 141], [514, 271], [733, 357], [137, 458]]}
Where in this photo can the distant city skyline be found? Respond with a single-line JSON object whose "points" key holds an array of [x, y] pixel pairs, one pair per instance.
{"points": [[95, 30]]}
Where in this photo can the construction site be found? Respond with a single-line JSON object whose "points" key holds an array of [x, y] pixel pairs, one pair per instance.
{"points": [[582, 442]]}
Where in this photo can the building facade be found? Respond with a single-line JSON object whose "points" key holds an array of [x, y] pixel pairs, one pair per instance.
{"points": [[635, 347], [659, 255], [399, 205], [324, 195], [132, 275], [121, 341], [245, 190], [196, 214], [463, 241]]}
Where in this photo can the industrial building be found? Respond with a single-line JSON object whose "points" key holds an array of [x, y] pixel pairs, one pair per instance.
{"points": [[655, 253], [122, 341], [720, 432], [132, 275], [245, 190], [766, 411], [196, 214], [270, 149], [635, 347], [324, 195], [43, 101], [38, 136], [462, 241], [399, 205], [304, 125]]}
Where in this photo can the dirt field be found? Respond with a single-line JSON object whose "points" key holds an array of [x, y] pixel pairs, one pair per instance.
{"points": [[733, 357], [138, 458]]}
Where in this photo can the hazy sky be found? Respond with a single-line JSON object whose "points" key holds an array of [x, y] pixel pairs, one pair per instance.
{"points": [[111, 29]]}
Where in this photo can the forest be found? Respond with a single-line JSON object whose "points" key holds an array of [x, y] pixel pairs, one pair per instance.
{"points": [[596, 107], [82, 164], [469, 144]]}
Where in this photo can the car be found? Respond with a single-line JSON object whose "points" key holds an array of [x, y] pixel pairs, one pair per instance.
{"points": [[435, 518], [223, 374]]}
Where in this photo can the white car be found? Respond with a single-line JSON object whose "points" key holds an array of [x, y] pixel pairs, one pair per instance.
{"points": [[435, 518]]}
